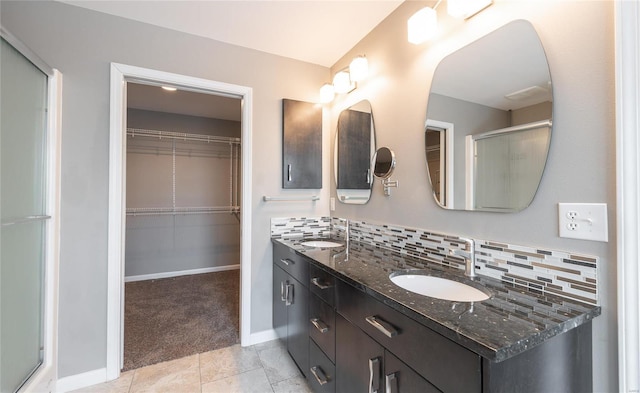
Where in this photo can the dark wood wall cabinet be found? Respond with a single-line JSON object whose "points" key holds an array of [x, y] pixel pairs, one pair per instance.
{"points": [[344, 340], [301, 145]]}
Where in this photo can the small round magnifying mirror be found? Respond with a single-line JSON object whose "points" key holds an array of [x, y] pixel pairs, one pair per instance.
{"points": [[384, 163]]}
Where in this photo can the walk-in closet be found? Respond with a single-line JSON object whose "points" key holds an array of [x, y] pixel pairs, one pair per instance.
{"points": [[182, 246]]}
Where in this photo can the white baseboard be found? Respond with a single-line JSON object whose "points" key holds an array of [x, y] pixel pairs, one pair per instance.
{"points": [[156, 276], [83, 380], [261, 337]]}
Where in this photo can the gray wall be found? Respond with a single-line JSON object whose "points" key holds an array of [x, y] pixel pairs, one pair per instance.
{"points": [[140, 118], [579, 43], [81, 44]]}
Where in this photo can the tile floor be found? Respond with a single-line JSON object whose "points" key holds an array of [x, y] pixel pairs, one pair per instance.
{"points": [[262, 368]]}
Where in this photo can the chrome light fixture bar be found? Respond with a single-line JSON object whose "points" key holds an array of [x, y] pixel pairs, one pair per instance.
{"points": [[345, 80]]}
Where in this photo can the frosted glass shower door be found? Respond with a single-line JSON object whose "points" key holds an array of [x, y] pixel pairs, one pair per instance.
{"points": [[23, 216]]}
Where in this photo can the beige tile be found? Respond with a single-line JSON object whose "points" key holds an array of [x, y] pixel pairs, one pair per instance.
{"points": [[120, 385], [267, 345], [180, 375], [254, 381], [277, 364], [292, 385], [226, 362]]}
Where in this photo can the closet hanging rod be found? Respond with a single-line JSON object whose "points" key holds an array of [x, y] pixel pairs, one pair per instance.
{"points": [[290, 198], [147, 211], [133, 132]]}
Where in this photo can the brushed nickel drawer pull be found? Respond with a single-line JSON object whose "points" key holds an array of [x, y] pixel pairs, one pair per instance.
{"points": [[288, 294], [316, 281], [374, 375], [319, 375], [391, 383], [286, 261], [383, 326], [321, 326]]}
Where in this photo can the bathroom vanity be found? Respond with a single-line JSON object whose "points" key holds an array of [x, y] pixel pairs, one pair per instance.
{"points": [[350, 329]]}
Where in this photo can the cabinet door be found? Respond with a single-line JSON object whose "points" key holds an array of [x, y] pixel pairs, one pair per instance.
{"points": [[398, 377], [298, 324], [280, 282], [301, 144], [359, 360]]}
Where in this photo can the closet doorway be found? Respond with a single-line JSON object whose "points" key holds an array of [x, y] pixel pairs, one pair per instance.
{"points": [[182, 247], [178, 196]]}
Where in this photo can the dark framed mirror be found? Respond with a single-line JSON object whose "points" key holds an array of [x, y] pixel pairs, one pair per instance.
{"points": [[489, 122], [354, 145]]}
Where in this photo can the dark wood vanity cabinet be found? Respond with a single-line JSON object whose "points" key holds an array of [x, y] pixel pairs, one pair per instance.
{"points": [[301, 145], [447, 366], [291, 304], [345, 340]]}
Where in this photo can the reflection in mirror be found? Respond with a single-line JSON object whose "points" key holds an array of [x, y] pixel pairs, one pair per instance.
{"points": [[488, 127], [354, 146], [384, 162]]}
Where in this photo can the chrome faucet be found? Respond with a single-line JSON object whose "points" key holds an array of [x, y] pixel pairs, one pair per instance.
{"points": [[469, 256], [347, 231]]}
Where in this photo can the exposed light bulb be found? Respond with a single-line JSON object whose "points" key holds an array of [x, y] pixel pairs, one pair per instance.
{"points": [[327, 93], [359, 68], [422, 26], [342, 82], [169, 88]]}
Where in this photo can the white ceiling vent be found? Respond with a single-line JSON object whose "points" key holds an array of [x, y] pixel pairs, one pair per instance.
{"points": [[528, 93]]}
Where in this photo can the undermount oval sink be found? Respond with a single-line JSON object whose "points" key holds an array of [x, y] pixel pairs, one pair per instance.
{"points": [[438, 287], [321, 244]]}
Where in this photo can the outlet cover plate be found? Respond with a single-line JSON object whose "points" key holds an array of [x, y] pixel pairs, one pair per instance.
{"points": [[587, 221]]}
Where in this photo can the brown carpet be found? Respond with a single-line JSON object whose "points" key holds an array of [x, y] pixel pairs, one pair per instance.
{"points": [[171, 318]]}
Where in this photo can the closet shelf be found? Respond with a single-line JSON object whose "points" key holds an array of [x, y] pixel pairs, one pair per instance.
{"points": [[135, 132], [167, 211]]}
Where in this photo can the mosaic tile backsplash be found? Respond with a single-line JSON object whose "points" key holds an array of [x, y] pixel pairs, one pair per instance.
{"points": [[561, 273], [300, 227]]}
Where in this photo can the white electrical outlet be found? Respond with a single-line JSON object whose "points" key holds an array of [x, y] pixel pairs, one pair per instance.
{"points": [[332, 203], [586, 221]]}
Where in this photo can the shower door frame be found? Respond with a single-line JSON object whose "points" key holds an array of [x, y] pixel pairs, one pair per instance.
{"points": [[45, 376]]}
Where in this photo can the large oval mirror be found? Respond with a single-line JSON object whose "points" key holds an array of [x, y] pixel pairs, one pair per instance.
{"points": [[355, 144], [489, 120]]}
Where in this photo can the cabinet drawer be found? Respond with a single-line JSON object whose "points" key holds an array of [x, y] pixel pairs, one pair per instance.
{"points": [[447, 365], [321, 375], [294, 264], [322, 326], [399, 377], [322, 284]]}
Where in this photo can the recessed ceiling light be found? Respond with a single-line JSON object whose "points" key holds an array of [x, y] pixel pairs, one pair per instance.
{"points": [[169, 88]]}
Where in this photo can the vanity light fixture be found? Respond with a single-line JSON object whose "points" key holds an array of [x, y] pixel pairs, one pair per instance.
{"points": [[345, 80], [422, 26], [466, 8]]}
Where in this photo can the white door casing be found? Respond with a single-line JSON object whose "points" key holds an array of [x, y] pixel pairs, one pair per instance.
{"points": [[120, 75]]}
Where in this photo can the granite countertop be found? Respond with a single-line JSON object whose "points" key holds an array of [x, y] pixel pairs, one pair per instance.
{"points": [[513, 320]]}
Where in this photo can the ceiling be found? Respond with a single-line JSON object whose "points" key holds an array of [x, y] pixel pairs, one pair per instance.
{"points": [[314, 31], [154, 98]]}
